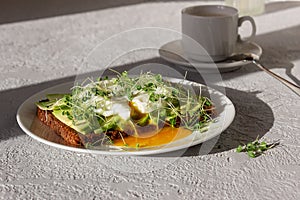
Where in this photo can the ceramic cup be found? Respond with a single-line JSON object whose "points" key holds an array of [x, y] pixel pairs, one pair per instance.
{"points": [[210, 32]]}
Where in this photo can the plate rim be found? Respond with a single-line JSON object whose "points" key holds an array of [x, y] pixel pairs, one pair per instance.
{"points": [[226, 123], [220, 65]]}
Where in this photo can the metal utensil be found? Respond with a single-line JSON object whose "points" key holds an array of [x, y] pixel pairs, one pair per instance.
{"points": [[254, 59]]}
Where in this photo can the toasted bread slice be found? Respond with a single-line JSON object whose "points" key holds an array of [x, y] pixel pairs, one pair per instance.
{"points": [[70, 135], [67, 133]]}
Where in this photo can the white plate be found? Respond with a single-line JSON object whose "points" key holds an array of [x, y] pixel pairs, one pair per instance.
{"points": [[27, 120], [173, 52]]}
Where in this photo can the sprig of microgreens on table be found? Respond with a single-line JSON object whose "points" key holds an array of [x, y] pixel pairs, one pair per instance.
{"points": [[255, 148]]}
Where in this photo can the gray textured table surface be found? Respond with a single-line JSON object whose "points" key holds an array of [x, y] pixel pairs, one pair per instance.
{"points": [[41, 46]]}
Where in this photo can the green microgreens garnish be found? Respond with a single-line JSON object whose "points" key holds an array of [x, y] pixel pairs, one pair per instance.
{"points": [[255, 148], [137, 145]]}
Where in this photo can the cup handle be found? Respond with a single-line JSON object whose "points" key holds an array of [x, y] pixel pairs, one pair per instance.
{"points": [[251, 20]]}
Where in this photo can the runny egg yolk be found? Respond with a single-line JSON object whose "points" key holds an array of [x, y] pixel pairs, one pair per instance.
{"points": [[150, 139]]}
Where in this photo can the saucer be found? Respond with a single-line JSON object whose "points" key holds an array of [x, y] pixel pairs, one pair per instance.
{"points": [[173, 52]]}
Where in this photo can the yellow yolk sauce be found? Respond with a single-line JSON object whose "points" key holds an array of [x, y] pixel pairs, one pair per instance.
{"points": [[149, 139]]}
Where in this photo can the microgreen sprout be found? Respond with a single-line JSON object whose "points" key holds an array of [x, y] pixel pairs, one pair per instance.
{"points": [[255, 148], [137, 145]]}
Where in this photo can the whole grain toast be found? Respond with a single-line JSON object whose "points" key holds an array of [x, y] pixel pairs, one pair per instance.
{"points": [[67, 133], [70, 135]]}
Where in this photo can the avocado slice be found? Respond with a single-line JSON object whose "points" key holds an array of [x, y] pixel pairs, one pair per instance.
{"points": [[46, 104], [55, 96], [54, 101]]}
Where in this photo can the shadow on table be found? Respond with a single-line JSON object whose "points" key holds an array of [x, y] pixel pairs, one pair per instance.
{"points": [[21, 10], [10, 100], [279, 6], [280, 49]]}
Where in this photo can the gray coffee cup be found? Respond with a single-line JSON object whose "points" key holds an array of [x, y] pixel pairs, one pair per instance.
{"points": [[210, 32]]}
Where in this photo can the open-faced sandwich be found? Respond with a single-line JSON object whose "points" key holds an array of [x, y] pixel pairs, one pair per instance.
{"points": [[141, 111]]}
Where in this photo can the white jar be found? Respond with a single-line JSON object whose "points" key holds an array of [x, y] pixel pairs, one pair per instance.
{"points": [[247, 7]]}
